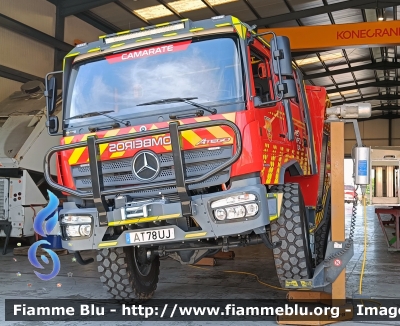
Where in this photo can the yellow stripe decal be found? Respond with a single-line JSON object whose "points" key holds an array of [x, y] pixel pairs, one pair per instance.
{"points": [[222, 25], [170, 34], [117, 45], [117, 154], [163, 24], [195, 235], [122, 33], [191, 137], [196, 29], [109, 133], [144, 219], [72, 54], [76, 154], [108, 244], [184, 20], [230, 116], [68, 140], [218, 132], [94, 50], [144, 39], [201, 119], [102, 36]]}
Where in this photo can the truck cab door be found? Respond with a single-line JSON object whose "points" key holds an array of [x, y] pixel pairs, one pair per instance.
{"points": [[272, 117]]}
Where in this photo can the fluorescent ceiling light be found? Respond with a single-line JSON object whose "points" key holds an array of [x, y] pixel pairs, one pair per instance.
{"points": [[219, 2], [326, 57], [153, 12], [352, 91], [187, 5]]}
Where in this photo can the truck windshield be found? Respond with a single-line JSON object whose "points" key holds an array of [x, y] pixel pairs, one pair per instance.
{"points": [[209, 70]]}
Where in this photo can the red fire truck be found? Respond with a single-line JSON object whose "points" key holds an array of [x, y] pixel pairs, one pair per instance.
{"points": [[184, 139]]}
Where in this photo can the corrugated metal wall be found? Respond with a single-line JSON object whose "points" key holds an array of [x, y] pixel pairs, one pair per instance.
{"points": [[27, 55], [373, 133]]}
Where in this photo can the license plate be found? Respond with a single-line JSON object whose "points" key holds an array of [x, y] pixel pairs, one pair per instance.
{"points": [[150, 236]]}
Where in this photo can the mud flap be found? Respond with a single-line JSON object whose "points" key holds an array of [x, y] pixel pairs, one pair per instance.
{"points": [[337, 256]]}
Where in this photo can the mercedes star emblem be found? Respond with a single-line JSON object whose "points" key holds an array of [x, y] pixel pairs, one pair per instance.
{"points": [[146, 166]]}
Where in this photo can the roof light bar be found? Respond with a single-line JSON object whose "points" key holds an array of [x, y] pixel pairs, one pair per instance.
{"points": [[146, 32]]}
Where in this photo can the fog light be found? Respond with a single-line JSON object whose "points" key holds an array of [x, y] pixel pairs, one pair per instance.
{"points": [[252, 209], [220, 214], [238, 199], [235, 212], [72, 231], [84, 230]]}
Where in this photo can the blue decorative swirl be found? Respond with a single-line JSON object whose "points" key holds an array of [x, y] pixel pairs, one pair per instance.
{"points": [[50, 212], [33, 260]]}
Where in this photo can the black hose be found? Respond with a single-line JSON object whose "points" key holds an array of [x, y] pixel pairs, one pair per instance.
{"points": [[265, 239]]}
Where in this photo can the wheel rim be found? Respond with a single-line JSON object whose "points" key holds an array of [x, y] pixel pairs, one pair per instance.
{"points": [[139, 255]]}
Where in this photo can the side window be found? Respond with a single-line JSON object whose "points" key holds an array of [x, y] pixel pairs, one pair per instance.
{"points": [[261, 73]]}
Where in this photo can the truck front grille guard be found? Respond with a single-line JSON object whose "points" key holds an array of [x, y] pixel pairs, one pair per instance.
{"points": [[174, 129]]}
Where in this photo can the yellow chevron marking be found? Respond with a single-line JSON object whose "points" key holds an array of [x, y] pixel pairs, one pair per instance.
{"points": [[230, 116], [191, 137], [68, 140], [117, 154], [201, 119], [218, 132], [77, 153], [153, 127], [132, 131], [195, 235], [109, 133], [107, 244]]}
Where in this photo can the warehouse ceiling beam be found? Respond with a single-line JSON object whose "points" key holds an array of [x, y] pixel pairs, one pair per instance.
{"points": [[73, 7], [386, 108], [98, 22], [33, 33], [209, 6], [17, 75], [371, 4], [381, 83], [381, 116], [384, 65], [377, 97], [129, 10]]}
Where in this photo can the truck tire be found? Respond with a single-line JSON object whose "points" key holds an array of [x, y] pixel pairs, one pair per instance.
{"points": [[293, 258], [123, 274], [321, 234]]}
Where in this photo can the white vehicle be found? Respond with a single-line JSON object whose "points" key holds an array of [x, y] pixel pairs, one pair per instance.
{"points": [[23, 143]]}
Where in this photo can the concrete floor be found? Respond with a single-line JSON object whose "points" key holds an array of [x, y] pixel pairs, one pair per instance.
{"points": [[381, 279]]}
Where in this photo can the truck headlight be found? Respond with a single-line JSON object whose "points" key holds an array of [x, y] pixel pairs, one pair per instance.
{"points": [[235, 207], [235, 212], [85, 230], [76, 219], [252, 209], [77, 225], [220, 214], [73, 230], [232, 200]]}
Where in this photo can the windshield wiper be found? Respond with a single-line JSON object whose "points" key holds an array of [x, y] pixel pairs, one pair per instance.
{"points": [[184, 100], [97, 113]]}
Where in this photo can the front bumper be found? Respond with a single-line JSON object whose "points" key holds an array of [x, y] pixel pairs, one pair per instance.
{"points": [[209, 227]]}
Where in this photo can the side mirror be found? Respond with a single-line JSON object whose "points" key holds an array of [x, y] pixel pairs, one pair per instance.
{"points": [[262, 70], [281, 56], [51, 95], [52, 125]]}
